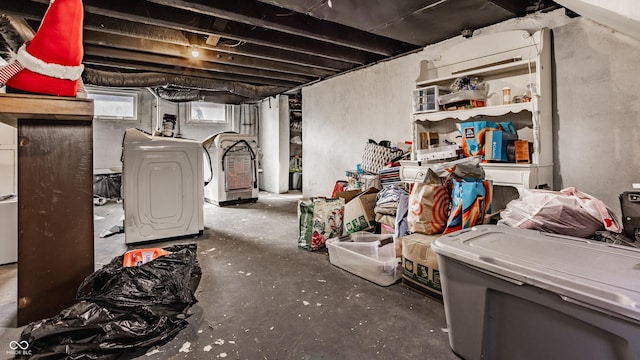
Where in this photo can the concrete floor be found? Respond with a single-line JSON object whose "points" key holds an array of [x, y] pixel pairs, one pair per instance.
{"points": [[263, 298]]}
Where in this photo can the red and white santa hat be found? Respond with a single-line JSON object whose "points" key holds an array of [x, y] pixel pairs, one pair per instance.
{"points": [[51, 63]]}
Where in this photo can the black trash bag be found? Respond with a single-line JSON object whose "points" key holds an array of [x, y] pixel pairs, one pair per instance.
{"points": [[121, 311], [107, 186]]}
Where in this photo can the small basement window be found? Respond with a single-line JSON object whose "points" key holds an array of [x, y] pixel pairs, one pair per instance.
{"points": [[206, 112], [115, 105]]}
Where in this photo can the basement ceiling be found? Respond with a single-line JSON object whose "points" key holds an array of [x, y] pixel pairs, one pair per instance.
{"points": [[250, 49]]}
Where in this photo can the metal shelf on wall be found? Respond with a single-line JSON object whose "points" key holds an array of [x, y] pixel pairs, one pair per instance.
{"points": [[295, 148]]}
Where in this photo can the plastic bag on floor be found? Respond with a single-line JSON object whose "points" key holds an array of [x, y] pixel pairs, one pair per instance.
{"points": [[121, 310], [567, 212], [107, 186]]}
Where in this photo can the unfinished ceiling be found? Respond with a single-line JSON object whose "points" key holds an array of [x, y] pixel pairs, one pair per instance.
{"points": [[251, 49]]}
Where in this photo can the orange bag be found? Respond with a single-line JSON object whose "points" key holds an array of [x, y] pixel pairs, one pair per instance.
{"points": [[142, 256]]}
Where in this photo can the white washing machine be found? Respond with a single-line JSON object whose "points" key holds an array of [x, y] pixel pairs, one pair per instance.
{"points": [[8, 231], [234, 167], [163, 187]]}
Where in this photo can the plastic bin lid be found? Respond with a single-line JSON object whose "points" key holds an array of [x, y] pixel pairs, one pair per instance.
{"points": [[584, 272]]}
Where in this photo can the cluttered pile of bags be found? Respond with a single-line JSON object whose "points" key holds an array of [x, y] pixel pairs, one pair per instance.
{"points": [[125, 308], [455, 195]]}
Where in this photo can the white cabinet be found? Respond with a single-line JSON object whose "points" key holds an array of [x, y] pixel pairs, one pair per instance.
{"points": [[515, 59]]}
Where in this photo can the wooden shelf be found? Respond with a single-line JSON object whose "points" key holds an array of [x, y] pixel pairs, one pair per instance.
{"points": [[42, 107], [466, 114], [517, 65]]}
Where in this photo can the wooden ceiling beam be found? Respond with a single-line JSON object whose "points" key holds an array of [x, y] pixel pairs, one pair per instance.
{"points": [[162, 48]]}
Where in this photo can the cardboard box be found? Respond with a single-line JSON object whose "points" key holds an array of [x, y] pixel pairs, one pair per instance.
{"points": [[387, 230], [523, 152], [369, 181], [358, 209], [428, 139], [420, 264], [495, 145]]}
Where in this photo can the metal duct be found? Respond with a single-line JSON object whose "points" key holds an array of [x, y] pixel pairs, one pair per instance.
{"points": [[178, 95], [150, 79], [185, 95], [13, 31]]}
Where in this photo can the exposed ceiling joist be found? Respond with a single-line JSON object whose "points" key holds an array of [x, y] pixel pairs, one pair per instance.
{"points": [[265, 46], [256, 13], [205, 55], [108, 52], [105, 24], [155, 14]]}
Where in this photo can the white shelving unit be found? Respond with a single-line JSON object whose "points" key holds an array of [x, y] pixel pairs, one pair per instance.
{"points": [[513, 59]]}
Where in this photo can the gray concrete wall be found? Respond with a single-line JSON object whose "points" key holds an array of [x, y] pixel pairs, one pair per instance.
{"points": [[597, 110], [596, 122], [107, 134], [341, 114]]}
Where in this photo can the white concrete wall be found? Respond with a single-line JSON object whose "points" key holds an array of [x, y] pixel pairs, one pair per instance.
{"points": [[596, 119], [274, 143]]}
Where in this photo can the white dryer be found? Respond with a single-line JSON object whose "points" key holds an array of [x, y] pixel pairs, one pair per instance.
{"points": [[162, 187], [234, 168]]}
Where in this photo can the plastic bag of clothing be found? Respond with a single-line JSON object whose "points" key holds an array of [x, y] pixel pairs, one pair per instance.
{"points": [[462, 169], [391, 209], [121, 310], [387, 205], [567, 212]]}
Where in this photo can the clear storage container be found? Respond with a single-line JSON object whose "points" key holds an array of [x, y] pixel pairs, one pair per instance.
{"points": [[370, 256]]}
